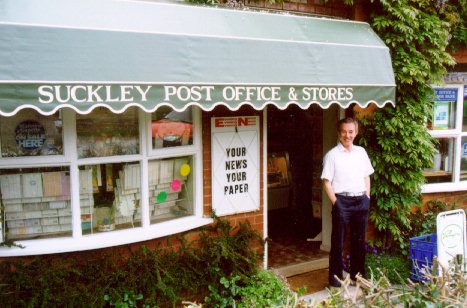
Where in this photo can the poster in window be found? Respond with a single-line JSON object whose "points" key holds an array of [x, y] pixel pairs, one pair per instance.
{"points": [[31, 134], [441, 115], [444, 108]]}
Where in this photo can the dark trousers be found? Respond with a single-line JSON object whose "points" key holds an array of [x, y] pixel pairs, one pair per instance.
{"points": [[352, 212]]}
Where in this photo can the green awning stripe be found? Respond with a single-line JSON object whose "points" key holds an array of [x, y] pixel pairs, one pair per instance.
{"points": [[60, 43]]}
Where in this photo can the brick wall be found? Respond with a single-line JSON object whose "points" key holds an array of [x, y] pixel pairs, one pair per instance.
{"points": [[459, 198], [316, 7], [460, 55]]}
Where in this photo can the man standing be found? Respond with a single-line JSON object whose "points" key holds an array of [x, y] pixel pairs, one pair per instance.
{"points": [[346, 180]]}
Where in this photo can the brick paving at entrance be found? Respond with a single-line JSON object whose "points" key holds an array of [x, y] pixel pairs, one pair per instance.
{"points": [[284, 251]]}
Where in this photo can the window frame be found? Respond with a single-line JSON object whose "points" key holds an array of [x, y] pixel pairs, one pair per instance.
{"points": [[455, 133], [147, 231]]}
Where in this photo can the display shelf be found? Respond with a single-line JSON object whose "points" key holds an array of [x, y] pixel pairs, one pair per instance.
{"points": [[43, 211], [441, 173]]}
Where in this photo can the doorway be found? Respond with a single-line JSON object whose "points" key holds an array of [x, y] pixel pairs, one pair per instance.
{"points": [[294, 188]]}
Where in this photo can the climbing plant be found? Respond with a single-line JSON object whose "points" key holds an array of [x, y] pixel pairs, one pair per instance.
{"points": [[417, 33]]}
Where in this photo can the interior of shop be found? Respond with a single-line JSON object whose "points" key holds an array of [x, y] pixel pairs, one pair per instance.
{"points": [[294, 188]]}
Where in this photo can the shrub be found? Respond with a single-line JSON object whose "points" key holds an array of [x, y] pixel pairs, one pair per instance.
{"points": [[447, 290], [263, 289], [395, 268], [159, 277]]}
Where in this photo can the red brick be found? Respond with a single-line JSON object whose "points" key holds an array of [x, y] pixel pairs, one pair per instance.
{"points": [[306, 8], [288, 6]]}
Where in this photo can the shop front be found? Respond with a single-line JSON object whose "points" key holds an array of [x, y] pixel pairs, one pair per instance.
{"points": [[139, 125]]}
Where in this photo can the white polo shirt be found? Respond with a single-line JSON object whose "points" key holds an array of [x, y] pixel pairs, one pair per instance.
{"points": [[346, 170]]}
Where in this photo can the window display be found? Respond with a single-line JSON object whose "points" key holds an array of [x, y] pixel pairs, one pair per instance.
{"points": [[110, 196], [36, 203], [170, 128], [441, 170], [170, 188], [104, 182], [278, 169], [29, 133], [103, 133], [279, 178], [447, 125]]}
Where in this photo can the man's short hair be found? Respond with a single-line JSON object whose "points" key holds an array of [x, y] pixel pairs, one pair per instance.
{"points": [[347, 121]]}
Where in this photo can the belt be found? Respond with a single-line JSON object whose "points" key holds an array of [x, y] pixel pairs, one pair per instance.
{"points": [[352, 194]]}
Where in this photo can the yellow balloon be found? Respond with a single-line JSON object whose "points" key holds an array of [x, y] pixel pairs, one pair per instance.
{"points": [[185, 170]]}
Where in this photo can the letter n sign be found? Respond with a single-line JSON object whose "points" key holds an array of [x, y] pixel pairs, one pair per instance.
{"points": [[235, 164]]}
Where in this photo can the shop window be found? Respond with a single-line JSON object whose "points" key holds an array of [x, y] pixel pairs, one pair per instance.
{"points": [[170, 188], [110, 197], [463, 173], [103, 133], [448, 125], [170, 128], [441, 169], [36, 203], [29, 133], [105, 205]]}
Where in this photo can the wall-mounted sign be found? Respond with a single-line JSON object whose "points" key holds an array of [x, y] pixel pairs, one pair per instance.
{"points": [[441, 115], [446, 95], [30, 135], [235, 164]]}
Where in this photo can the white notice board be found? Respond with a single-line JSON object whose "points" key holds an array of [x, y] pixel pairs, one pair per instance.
{"points": [[451, 236], [235, 164]]}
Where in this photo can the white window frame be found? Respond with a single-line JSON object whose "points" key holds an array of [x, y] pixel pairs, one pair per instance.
{"points": [[147, 231], [456, 133]]}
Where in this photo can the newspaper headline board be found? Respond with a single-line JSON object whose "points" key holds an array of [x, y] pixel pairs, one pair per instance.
{"points": [[235, 164]]}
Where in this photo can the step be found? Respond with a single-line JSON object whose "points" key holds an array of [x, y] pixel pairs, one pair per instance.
{"points": [[303, 267]]}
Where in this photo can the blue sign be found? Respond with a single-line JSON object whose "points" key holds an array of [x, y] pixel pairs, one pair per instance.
{"points": [[464, 149], [446, 95]]}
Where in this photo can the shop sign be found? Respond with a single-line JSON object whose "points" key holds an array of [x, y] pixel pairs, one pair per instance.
{"points": [[451, 236], [235, 164], [446, 95], [83, 96], [99, 93]]}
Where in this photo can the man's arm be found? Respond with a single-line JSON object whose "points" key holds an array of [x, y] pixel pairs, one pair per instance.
{"points": [[329, 191], [368, 185]]}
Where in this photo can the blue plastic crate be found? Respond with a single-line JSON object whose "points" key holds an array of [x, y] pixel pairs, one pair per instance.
{"points": [[422, 250]]}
